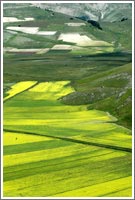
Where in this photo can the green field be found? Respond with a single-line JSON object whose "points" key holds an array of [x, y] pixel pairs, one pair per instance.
{"points": [[67, 104], [47, 143]]}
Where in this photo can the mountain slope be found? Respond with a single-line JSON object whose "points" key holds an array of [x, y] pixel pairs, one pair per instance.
{"points": [[95, 11]]}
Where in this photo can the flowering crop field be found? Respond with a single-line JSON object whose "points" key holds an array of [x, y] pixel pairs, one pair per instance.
{"points": [[56, 150]]}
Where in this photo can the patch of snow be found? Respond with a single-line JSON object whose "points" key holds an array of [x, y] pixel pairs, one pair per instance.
{"points": [[29, 19], [65, 47], [46, 33], [31, 30], [62, 47], [14, 19], [15, 50], [41, 51], [75, 24], [75, 38], [81, 40]]}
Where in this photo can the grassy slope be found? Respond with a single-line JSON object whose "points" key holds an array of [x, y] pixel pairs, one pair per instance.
{"points": [[115, 32], [66, 66], [33, 164], [108, 91], [72, 65]]}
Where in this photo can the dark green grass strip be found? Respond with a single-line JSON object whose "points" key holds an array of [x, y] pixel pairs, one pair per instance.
{"points": [[76, 141], [21, 92], [34, 146], [53, 161], [28, 103], [75, 163], [49, 166]]}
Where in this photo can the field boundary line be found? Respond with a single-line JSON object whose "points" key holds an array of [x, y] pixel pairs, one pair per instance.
{"points": [[126, 149]]}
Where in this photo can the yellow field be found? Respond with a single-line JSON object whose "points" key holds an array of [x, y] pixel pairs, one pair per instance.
{"points": [[17, 138], [94, 191], [56, 150], [19, 87]]}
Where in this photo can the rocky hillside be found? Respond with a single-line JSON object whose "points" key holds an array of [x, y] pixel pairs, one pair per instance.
{"points": [[94, 11]]}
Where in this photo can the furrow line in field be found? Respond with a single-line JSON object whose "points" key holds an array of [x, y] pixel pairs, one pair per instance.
{"points": [[74, 140], [110, 193]]}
